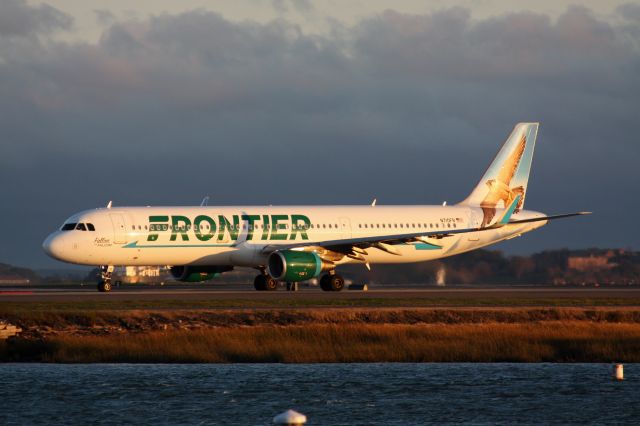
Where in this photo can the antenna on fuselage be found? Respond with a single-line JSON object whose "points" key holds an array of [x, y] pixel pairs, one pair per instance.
{"points": [[205, 201], [109, 204]]}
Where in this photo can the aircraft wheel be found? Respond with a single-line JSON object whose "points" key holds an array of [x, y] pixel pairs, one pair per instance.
{"points": [[325, 282], [271, 284], [336, 282], [104, 286], [260, 283]]}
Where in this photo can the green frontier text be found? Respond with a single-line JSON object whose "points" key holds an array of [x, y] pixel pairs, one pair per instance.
{"points": [[222, 229]]}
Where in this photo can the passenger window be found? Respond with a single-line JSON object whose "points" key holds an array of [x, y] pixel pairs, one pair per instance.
{"points": [[81, 227], [91, 227], [68, 227]]}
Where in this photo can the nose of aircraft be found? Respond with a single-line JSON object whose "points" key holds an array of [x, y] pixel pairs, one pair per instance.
{"points": [[53, 246]]}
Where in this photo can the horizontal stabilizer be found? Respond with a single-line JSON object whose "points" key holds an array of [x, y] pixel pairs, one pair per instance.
{"points": [[558, 216]]}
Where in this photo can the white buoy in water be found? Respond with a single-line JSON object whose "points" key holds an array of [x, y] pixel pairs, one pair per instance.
{"points": [[618, 372], [290, 418]]}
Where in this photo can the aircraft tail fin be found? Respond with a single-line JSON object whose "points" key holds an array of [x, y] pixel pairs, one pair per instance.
{"points": [[507, 177]]}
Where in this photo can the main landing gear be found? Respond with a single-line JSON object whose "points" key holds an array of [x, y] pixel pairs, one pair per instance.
{"points": [[104, 285], [328, 282], [331, 282], [264, 282]]}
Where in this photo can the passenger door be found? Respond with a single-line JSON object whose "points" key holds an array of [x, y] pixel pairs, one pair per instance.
{"points": [[119, 228], [473, 223]]}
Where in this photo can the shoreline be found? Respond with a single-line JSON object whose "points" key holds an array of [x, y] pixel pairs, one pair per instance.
{"points": [[492, 334]]}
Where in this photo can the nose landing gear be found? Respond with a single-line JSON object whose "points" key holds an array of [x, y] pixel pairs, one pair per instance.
{"points": [[104, 285]]}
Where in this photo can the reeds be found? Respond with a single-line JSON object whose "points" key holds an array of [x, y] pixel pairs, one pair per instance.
{"points": [[545, 341]]}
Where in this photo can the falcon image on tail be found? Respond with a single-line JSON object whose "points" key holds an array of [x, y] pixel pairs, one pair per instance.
{"points": [[507, 176]]}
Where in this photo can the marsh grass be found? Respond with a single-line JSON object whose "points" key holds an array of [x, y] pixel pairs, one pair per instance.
{"points": [[548, 341]]}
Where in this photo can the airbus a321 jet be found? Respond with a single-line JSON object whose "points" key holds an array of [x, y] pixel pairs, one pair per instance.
{"points": [[298, 243]]}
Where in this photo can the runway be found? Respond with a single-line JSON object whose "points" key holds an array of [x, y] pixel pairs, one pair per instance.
{"points": [[243, 292]]}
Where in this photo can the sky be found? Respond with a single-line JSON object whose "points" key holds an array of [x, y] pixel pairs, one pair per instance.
{"points": [[328, 102]]}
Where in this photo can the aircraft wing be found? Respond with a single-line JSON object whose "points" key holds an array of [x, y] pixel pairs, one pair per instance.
{"points": [[354, 247], [382, 242]]}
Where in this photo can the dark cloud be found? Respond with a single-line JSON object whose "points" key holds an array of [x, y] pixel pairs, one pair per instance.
{"points": [[19, 19], [406, 108], [629, 11], [303, 7], [104, 17]]}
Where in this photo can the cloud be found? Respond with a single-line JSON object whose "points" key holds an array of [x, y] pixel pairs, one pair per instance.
{"points": [[104, 16], [629, 11], [406, 108], [18, 19], [303, 7]]}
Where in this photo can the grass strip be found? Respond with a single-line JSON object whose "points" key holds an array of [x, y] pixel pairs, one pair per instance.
{"points": [[549, 341], [287, 302]]}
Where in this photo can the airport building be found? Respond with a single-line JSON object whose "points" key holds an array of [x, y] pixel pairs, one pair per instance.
{"points": [[141, 274]]}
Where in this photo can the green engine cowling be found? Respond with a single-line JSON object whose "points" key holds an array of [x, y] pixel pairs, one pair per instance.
{"points": [[294, 266], [196, 274]]}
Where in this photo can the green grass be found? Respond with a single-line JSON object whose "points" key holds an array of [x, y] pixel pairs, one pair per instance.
{"points": [[301, 302]]}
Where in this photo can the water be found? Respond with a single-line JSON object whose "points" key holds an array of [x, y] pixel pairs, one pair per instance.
{"points": [[329, 394]]}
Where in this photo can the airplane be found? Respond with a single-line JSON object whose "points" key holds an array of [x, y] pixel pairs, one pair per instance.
{"points": [[297, 243]]}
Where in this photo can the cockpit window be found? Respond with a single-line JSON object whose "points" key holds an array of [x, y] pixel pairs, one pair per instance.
{"points": [[68, 226], [91, 227], [81, 227]]}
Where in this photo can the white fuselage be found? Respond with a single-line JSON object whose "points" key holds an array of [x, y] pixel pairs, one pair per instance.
{"points": [[239, 236]]}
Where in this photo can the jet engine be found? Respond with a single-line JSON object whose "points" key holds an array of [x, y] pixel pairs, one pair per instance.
{"points": [[294, 266], [196, 274]]}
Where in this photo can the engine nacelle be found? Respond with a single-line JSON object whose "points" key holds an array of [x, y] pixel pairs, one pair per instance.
{"points": [[196, 274], [294, 266]]}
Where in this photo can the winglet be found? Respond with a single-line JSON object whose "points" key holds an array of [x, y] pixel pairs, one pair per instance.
{"points": [[507, 214]]}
